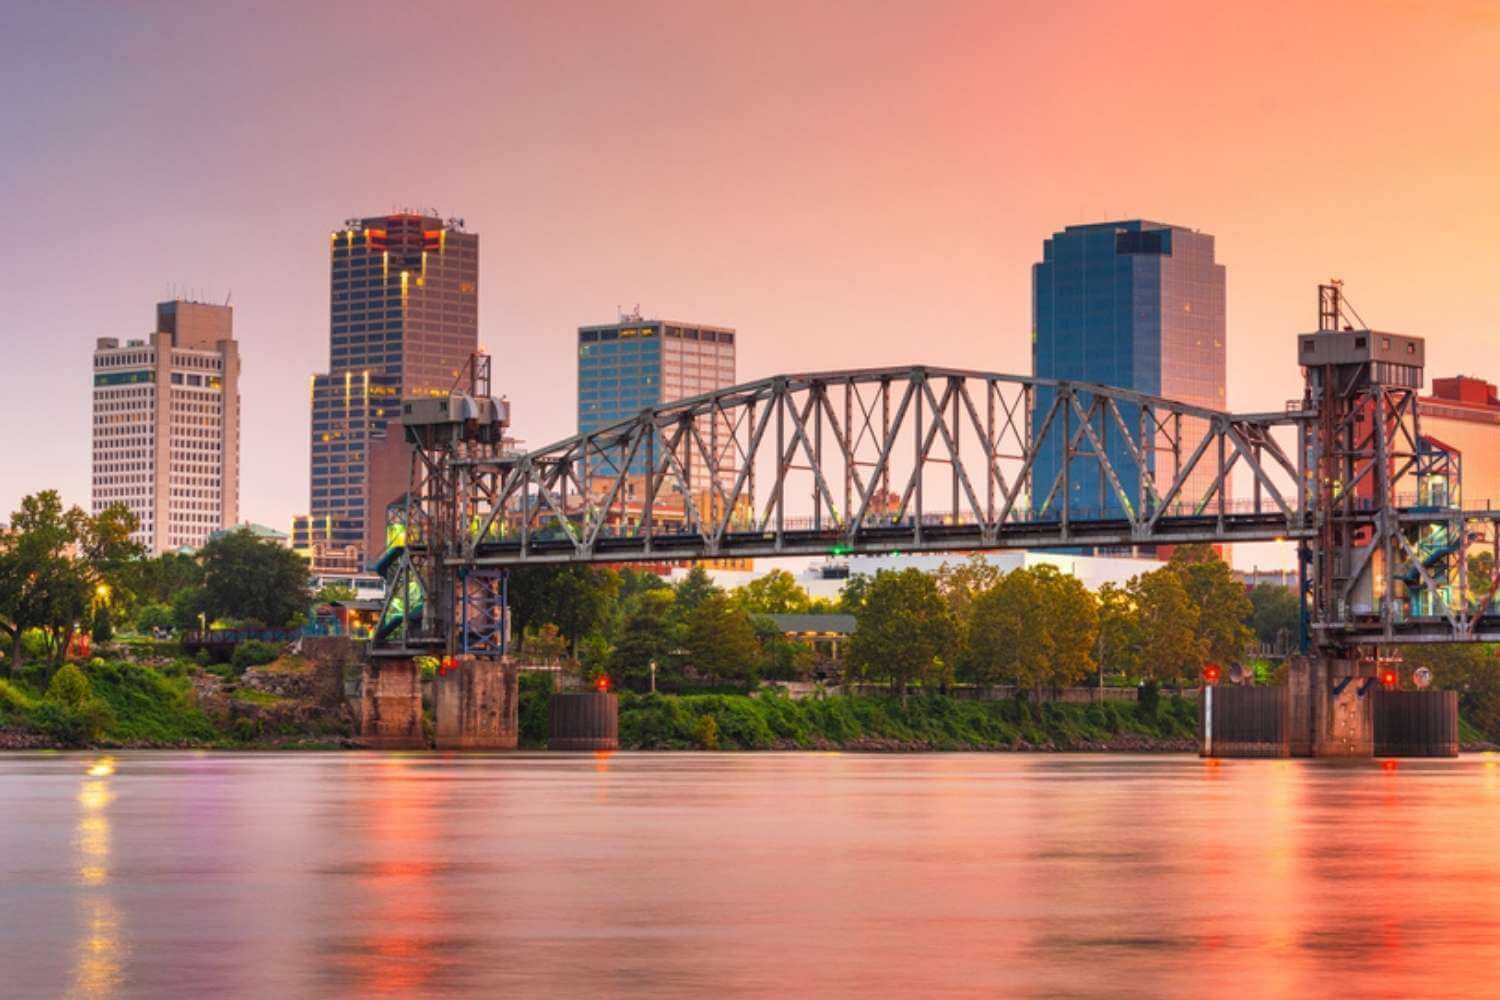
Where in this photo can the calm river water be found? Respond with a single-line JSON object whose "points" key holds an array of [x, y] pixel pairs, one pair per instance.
{"points": [[198, 875]]}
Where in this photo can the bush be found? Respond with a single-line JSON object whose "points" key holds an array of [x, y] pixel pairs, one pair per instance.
{"points": [[253, 653], [706, 733], [535, 708], [69, 687]]}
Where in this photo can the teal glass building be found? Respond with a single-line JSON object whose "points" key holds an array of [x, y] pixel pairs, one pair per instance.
{"points": [[636, 364], [1133, 304]]}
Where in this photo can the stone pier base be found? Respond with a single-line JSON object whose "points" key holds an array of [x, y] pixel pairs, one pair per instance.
{"points": [[477, 705], [390, 707], [1330, 707]]}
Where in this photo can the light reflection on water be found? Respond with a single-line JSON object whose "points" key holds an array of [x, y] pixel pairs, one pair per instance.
{"points": [[745, 875]]}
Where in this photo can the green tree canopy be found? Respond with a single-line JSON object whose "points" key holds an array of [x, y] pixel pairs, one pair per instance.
{"points": [[1169, 645], [1223, 607], [252, 579], [694, 589], [720, 640], [1275, 615], [1035, 627], [46, 582], [905, 632], [648, 633], [776, 593]]}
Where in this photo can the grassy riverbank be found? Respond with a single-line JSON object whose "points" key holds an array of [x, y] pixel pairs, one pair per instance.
{"points": [[931, 722], [285, 705]]}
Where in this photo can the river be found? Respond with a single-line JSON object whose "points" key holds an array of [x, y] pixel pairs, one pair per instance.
{"points": [[740, 875]]}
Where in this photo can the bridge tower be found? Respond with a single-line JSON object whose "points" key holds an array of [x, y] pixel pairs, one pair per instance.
{"points": [[1368, 567], [433, 608]]}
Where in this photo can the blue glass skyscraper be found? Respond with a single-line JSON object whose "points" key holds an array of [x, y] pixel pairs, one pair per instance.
{"points": [[1133, 304]]}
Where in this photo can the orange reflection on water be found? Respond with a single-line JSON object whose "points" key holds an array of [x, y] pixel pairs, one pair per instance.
{"points": [[98, 964], [402, 902]]}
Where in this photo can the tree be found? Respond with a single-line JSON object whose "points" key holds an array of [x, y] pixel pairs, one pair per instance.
{"points": [[1119, 630], [648, 633], [720, 640], [961, 583], [581, 599], [904, 631], [1070, 614], [153, 617], [1036, 626], [1473, 671], [852, 593], [1002, 643], [41, 585], [1223, 607], [330, 593], [252, 579], [1275, 615], [776, 593], [1169, 645], [694, 589]]}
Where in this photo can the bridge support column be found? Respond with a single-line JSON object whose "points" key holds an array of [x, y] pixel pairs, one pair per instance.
{"points": [[1330, 711], [390, 705], [477, 705]]}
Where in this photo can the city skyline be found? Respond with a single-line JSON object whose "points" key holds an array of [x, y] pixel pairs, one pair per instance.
{"points": [[883, 218]]}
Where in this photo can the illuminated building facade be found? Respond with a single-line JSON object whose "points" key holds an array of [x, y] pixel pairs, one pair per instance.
{"points": [[166, 435], [403, 321], [1133, 304], [1463, 414]]}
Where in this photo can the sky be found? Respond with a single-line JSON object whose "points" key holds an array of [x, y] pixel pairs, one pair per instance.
{"points": [[847, 184]]}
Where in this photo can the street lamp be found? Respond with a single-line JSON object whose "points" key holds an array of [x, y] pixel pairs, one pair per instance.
{"points": [[653, 676]]}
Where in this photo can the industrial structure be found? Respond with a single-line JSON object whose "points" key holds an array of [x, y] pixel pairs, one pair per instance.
{"points": [[166, 434], [930, 460]]}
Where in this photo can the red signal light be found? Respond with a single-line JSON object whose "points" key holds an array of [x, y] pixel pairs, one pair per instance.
{"points": [[602, 683], [1388, 678], [1211, 673]]}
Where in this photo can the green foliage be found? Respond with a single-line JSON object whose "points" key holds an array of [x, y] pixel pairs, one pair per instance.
{"points": [[1168, 643], [775, 593], [69, 687], [720, 641], [153, 616], [1034, 627], [961, 583], [71, 713], [535, 701], [253, 653], [905, 633], [1275, 615], [150, 709], [936, 722], [332, 592], [1223, 607], [852, 594], [693, 589], [252, 579], [649, 633]]}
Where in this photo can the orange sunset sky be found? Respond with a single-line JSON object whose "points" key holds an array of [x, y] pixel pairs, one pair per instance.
{"points": [[847, 184]]}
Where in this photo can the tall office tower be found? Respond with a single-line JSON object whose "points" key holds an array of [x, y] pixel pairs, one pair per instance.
{"points": [[403, 321], [1138, 305], [167, 425], [638, 363]]}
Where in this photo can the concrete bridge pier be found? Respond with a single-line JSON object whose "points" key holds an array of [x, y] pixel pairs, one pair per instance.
{"points": [[477, 705], [390, 706], [1330, 710]]}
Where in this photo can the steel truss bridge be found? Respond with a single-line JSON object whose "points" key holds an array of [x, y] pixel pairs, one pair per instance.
{"points": [[925, 459]]}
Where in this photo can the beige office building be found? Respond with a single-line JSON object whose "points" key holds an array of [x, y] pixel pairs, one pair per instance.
{"points": [[167, 426]]}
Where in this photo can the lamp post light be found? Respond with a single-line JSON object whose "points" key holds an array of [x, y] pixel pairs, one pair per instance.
{"points": [[653, 676]]}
